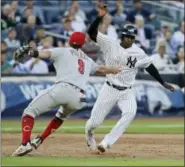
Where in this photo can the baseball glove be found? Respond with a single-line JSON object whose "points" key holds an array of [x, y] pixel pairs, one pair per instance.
{"points": [[20, 54]]}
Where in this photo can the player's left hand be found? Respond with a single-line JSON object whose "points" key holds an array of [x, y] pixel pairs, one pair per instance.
{"points": [[102, 10], [19, 53], [169, 87]]}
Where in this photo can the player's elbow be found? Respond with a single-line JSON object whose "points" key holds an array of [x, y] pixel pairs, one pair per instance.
{"points": [[92, 36], [92, 33]]}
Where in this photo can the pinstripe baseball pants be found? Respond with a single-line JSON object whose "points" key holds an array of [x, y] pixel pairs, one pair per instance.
{"points": [[107, 98]]}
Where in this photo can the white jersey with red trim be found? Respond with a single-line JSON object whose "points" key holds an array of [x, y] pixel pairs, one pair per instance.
{"points": [[72, 66]]}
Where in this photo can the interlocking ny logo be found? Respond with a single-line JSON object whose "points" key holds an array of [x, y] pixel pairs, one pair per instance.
{"points": [[131, 63]]}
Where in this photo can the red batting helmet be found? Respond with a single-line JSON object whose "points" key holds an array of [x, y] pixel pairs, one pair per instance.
{"points": [[77, 38]]}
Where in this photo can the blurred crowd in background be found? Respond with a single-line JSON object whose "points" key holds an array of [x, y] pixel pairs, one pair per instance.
{"points": [[160, 30]]}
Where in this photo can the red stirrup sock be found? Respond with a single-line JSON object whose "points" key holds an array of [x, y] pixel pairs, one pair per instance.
{"points": [[54, 124], [27, 126]]}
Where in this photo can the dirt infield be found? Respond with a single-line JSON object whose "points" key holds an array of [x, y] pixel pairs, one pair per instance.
{"points": [[156, 146]]}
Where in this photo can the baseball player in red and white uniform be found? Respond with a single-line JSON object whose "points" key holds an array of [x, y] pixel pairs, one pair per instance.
{"points": [[73, 68], [118, 87]]}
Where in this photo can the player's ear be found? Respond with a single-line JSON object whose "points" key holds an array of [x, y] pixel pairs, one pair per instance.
{"points": [[86, 39]]}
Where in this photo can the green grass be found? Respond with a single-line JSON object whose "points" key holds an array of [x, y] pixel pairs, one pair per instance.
{"points": [[69, 161], [158, 126], [147, 126]]}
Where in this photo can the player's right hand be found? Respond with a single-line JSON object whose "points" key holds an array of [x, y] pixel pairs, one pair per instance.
{"points": [[102, 10], [169, 87], [19, 53]]}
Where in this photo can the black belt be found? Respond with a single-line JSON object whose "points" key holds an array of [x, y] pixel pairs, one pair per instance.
{"points": [[76, 87], [81, 90], [117, 87]]}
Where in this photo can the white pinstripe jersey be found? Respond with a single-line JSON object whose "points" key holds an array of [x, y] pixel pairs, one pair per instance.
{"points": [[129, 59], [72, 66]]}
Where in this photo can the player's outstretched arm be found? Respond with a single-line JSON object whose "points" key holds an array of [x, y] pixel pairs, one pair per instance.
{"points": [[154, 72], [93, 28], [108, 70], [29, 51]]}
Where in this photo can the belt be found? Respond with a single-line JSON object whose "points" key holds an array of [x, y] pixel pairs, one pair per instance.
{"points": [[76, 87], [117, 87]]}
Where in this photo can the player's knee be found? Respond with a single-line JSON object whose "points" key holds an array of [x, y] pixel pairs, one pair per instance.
{"points": [[61, 114], [94, 123], [129, 115], [133, 114], [30, 111]]}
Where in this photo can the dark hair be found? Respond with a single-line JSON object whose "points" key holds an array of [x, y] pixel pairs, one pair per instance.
{"points": [[75, 46], [30, 40], [178, 48]]}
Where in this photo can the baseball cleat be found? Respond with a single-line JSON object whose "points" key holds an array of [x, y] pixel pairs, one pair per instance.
{"points": [[36, 142], [23, 150], [102, 147], [90, 140]]}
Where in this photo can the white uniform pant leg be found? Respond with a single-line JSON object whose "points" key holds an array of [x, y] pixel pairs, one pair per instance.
{"points": [[55, 96], [106, 100], [64, 112], [41, 104], [128, 106]]}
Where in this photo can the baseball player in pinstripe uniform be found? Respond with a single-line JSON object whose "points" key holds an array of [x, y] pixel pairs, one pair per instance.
{"points": [[118, 87], [73, 68]]}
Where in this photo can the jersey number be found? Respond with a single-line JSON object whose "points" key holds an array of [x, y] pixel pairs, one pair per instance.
{"points": [[81, 66]]}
